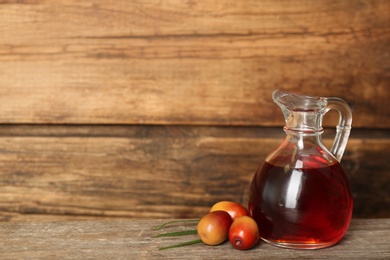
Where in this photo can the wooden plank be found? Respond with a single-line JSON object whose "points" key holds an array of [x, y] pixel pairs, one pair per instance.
{"points": [[132, 239], [198, 62], [166, 172]]}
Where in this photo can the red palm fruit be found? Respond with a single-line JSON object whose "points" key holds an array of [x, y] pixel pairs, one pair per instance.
{"points": [[243, 233], [234, 209], [213, 228]]}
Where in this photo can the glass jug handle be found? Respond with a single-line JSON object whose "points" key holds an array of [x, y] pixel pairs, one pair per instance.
{"points": [[344, 126]]}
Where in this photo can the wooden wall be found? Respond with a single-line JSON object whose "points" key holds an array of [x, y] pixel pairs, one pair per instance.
{"points": [[158, 109]]}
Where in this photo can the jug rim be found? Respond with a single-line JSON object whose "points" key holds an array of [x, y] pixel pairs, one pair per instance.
{"points": [[299, 102]]}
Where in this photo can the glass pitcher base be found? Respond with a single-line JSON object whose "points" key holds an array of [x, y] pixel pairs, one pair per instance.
{"points": [[300, 245]]}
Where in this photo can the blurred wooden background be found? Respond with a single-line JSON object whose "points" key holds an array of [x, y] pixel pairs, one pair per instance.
{"points": [[158, 109]]}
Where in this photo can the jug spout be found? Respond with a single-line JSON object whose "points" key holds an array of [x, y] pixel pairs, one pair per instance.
{"points": [[298, 102], [301, 113], [304, 114]]}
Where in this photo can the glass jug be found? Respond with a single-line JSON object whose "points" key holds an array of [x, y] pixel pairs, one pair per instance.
{"points": [[300, 196]]}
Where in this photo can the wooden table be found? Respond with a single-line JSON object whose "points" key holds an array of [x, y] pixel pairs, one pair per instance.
{"points": [[133, 239]]}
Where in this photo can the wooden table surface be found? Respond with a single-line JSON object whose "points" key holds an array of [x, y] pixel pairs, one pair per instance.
{"points": [[133, 239]]}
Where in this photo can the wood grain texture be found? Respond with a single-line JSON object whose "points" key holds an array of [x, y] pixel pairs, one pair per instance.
{"points": [[132, 239], [123, 109], [189, 62], [158, 172]]}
